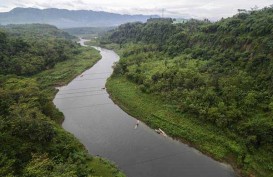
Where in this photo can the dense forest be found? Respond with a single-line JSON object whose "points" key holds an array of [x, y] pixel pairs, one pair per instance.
{"points": [[88, 32], [218, 73], [33, 60], [29, 49]]}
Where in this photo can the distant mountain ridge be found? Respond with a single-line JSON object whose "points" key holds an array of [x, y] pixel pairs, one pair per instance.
{"points": [[63, 18]]}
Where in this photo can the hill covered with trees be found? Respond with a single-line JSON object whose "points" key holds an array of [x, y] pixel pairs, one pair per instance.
{"points": [[63, 18], [34, 59], [218, 76], [29, 49], [88, 32]]}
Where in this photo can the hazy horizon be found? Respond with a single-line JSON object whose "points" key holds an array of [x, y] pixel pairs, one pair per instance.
{"points": [[211, 9]]}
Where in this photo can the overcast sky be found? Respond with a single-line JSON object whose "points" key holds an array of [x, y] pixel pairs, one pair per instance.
{"points": [[212, 9]]}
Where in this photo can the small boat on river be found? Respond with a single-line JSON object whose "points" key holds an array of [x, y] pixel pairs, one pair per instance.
{"points": [[161, 132]]}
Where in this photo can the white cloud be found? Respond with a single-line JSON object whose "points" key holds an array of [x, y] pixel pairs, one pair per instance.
{"points": [[213, 9]]}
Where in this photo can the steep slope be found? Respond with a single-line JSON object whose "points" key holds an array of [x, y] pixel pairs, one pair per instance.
{"points": [[32, 141], [218, 74]]}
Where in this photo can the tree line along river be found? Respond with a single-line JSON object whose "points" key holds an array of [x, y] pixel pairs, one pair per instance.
{"points": [[107, 131]]}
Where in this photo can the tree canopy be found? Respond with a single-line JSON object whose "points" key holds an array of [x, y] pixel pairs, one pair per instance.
{"points": [[220, 73], [33, 60]]}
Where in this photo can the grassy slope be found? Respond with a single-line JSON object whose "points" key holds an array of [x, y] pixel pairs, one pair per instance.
{"points": [[62, 74], [158, 114]]}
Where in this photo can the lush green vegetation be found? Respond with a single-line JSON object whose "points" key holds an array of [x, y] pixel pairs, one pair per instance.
{"points": [[32, 141], [88, 32], [36, 31], [212, 83], [37, 48]]}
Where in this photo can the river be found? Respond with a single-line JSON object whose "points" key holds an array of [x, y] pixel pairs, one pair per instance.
{"points": [[107, 131]]}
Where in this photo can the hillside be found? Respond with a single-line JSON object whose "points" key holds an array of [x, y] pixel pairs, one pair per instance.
{"points": [[36, 31], [32, 141], [211, 79], [29, 49], [88, 32], [63, 18]]}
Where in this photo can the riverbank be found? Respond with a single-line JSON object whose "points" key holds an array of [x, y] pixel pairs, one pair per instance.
{"points": [[156, 113], [61, 75], [107, 131], [64, 72]]}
